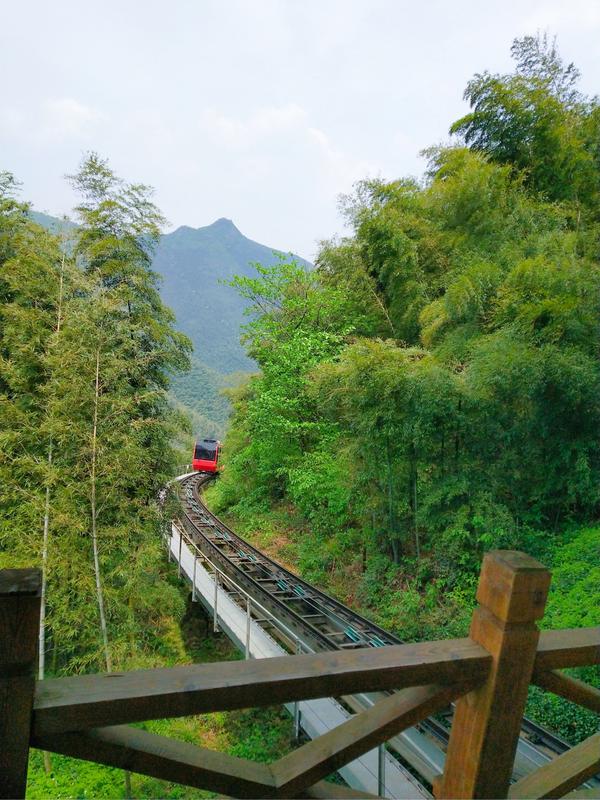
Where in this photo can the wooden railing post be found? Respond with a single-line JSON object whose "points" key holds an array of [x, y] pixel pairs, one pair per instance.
{"points": [[20, 598], [512, 595]]}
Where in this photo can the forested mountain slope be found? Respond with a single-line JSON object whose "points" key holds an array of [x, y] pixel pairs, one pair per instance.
{"points": [[194, 264], [58, 226]]}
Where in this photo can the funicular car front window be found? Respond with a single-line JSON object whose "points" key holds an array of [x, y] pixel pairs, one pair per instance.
{"points": [[204, 454]]}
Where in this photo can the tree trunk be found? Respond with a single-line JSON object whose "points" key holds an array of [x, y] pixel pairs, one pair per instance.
{"points": [[443, 452], [415, 517], [42, 634], [457, 433], [412, 489], [391, 513], [99, 595]]}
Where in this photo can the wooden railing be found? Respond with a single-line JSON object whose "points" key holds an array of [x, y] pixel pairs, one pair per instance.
{"points": [[486, 674]]}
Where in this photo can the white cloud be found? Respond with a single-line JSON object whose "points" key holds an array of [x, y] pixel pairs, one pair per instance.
{"points": [[267, 132], [11, 121], [260, 111], [51, 121], [560, 15], [343, 169], [65, 116], [263, 123], [276, 157]]}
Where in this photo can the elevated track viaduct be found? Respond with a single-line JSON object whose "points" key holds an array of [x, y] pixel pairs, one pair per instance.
{"points": [[268, 611]]}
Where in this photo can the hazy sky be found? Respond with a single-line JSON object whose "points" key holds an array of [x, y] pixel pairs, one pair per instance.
{"points": [[262, 111]]}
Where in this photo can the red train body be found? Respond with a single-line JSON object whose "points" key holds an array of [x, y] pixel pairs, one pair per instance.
{"points": [[206, 455]]}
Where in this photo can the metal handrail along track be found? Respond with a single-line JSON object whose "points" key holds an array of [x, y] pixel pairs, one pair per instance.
{"points": [[317, 619]]}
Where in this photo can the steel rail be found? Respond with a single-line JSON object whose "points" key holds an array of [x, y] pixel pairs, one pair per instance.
{"points": [[199, 520], [411, 752], [532, 729], [318, 641], [230, 586], [370, 634], [414, 749]]}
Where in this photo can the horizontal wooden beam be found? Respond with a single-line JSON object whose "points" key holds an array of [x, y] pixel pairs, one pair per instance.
{"points": [[179, 762], [324, 790], [362, 732], [565, 772], [574, 647], [570, 688], [93, 701], [167, 759]]}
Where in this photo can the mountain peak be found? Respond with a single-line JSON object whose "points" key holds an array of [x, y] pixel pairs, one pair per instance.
{"points": [[224, 224], [222, 227]]}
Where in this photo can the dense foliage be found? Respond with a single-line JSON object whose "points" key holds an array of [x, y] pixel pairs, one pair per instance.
{"points": [[432, 390], [87, 351], [86, 347], [193, 265]]}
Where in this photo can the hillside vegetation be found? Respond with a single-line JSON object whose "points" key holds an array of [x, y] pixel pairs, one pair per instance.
{"points": [[431, 390], [87, 352], [192, 266]]}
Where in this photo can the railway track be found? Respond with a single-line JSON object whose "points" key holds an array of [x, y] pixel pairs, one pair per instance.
{"points": [[321, 622]]}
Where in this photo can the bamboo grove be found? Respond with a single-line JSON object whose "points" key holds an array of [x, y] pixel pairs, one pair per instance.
{"points": [[86, 347], [432, 389]]}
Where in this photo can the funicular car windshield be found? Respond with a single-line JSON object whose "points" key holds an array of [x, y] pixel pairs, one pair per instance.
{"points": [[205, 451]]}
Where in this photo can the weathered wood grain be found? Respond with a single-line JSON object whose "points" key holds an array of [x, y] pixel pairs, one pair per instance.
{"points": [[485, 730], [565, 772], [81, 716], [584, 794], [88, 701], [362, 732], [573, 647], [19, 623], [160, 757], [180, 762]]}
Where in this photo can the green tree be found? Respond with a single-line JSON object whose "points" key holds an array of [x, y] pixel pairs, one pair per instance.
{"points": [[86, 355], [295, 325], [537, 121], [456, 408]]}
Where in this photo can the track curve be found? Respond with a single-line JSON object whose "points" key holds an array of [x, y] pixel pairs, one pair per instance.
{"points": [[321, 621]]}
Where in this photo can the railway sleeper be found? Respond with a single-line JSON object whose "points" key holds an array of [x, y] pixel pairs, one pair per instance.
{"points": [[363, 634]]}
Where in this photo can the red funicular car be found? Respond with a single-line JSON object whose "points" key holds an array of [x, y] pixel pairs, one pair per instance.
{"points": [[206, 455]]}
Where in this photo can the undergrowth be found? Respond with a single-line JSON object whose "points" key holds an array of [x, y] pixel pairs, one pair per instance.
{"points": [[408, 600], [263, 734]]}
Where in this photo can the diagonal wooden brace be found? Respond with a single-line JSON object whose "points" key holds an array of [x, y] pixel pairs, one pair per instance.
{"points": [[168, 759], [317, 759]]}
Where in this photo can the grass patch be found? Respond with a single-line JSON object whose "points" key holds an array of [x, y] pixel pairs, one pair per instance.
{"points": [[263, 734]]}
